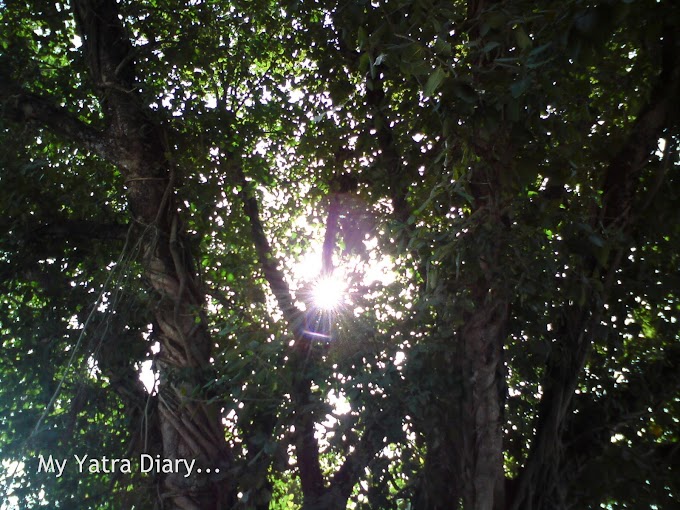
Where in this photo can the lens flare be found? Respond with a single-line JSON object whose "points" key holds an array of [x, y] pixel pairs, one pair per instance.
{"points": [[328, 292]]}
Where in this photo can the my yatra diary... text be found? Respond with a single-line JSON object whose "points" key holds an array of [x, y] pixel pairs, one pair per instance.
{"points": [[144, 464]]}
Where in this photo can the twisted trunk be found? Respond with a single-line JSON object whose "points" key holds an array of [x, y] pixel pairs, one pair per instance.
{"points": [[190, 426]]}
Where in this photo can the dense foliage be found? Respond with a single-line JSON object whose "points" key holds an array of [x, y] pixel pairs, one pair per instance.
{"points": [[496, 183]]}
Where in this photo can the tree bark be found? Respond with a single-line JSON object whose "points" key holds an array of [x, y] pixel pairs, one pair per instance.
{"points": [[481, 427], [191, 427]]}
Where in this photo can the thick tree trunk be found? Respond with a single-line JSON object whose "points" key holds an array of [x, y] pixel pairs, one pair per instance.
{"points": [[479, 359], [481, 432], [190, 426], [464, 460]]}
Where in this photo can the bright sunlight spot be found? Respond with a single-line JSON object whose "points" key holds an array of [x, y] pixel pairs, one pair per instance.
{"points": [[328, 292]]}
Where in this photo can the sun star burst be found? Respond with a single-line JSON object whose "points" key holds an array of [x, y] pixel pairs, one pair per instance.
{"points": [[328, 292]]}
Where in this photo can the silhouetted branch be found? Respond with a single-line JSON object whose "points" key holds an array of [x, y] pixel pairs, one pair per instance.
{"points": [[21, 106], [274, 276], [575, 334]]}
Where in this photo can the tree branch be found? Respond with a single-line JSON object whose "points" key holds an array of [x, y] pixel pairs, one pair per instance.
{"points": [[364, 451], [589, 432], [306, 445], [331, 235], [21, 106], [389, 156], [621, 176], [273, 275], [575, 335]]}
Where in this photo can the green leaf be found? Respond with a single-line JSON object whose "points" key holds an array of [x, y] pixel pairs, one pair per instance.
{"points": [[520, 87], [523, 40], [490, 46], [364, 62], [434, 81], [443, 48], [362, 38]]}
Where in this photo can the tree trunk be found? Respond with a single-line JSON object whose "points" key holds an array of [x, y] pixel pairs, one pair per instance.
{"points": [[464, 459], [190, 426], [481, 432]]}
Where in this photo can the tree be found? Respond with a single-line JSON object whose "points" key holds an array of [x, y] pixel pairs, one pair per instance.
{"points": [[512, 166]]}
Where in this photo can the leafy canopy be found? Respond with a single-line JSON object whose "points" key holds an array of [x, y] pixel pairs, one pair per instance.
{"points": [[508, 168]]}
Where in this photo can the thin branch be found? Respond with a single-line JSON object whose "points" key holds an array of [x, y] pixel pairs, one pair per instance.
{"points": [[389, 155], [306, 445], [274, 276], [331, 235], [364, 451], [667, 161]]}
